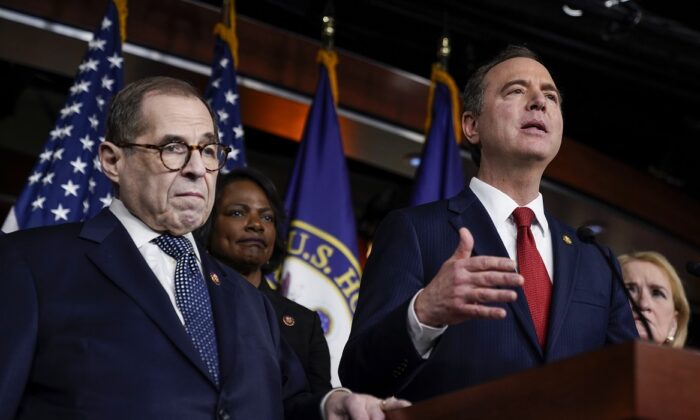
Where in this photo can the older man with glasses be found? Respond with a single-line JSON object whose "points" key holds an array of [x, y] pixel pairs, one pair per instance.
{"points": [[124, 316]]}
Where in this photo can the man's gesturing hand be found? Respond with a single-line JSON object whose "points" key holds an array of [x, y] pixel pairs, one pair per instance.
{"points": [[465, 287]]}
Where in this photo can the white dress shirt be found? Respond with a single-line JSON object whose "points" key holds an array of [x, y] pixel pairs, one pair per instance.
{"points": [[162, 264], [499, 207]]}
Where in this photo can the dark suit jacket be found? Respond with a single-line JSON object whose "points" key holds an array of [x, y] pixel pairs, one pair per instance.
{"points": [[588, 309], [87, 332], [301, 329]]}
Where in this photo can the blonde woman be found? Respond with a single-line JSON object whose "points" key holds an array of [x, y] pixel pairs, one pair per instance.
{"points": [[655, 286]]}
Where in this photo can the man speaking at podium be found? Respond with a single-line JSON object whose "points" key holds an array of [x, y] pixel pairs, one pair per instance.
{"points": [[485, 284]]}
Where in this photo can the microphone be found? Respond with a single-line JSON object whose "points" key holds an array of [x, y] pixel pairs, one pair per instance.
{"points": [[588, 235], [693, 268]]}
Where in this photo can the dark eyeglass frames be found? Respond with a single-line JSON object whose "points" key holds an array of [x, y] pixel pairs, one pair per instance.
{"points": [[175, 155]]}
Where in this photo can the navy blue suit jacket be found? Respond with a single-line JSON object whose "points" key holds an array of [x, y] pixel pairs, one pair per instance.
{"points": [[304, 335], [588, 308], [88, 332]]}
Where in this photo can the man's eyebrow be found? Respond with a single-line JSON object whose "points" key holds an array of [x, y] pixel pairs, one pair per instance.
{"points": [[170, 138], [552, 88], [514, 82], [211, 138], [549, 87]]}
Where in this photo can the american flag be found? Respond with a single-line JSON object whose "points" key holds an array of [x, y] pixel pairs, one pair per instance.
{"points": [[222, 94], [67, 184]]}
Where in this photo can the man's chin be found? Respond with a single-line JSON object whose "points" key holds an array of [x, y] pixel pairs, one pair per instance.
{"points": [[184, 223]]}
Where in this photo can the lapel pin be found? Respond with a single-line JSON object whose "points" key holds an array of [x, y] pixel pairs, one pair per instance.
{"points": [[567, 240], [288, 320], [215, 278]]}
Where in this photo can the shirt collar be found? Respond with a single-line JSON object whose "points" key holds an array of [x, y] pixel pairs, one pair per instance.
{"points": [[500, 206], [139, 232]]}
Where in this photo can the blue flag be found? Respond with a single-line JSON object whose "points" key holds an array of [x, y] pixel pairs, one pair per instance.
{"points": [[440, 174], [321, 270], [67, 183], [222, 93]]}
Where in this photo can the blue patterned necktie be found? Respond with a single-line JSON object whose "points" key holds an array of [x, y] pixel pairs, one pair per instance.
{"points": [[192, 298]]}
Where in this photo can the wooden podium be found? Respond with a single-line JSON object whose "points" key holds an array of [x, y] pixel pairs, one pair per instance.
{"points": [[635, 380]]}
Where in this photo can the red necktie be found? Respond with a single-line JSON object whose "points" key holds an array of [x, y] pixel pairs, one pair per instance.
{"points": [[537, 287]]}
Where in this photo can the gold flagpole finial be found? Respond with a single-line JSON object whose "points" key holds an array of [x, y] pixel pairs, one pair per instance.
{"points": [[328, 31], [444, 49]]}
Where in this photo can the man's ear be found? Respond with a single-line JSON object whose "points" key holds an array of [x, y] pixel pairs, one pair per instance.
{"points": [[470, 127], [110, 159]]}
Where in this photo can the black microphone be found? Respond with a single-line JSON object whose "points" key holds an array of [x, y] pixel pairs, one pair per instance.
{"points": [[693, 268], [588, 234]]}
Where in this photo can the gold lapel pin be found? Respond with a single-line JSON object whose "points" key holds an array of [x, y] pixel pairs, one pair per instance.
{"points": [[567, 240], [288, 320], [215, 278]]}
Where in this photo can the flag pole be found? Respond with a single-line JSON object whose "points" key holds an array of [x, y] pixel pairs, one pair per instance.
{"points": [[439, 74], [327, 55]]}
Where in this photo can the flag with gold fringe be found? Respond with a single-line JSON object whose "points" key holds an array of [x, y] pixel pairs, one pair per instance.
{"points": [[321, 270], [67, 183], [440, 174], [222, 90]]}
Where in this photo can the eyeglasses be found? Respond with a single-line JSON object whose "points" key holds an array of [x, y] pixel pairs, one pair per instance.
{"points": [[175, 155]]}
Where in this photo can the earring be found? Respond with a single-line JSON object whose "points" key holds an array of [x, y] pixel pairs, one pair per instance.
{"points": [[670, 339]]}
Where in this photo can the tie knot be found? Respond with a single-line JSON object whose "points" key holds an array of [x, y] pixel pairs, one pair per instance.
{"points": [[523, 217], [175, 246]]}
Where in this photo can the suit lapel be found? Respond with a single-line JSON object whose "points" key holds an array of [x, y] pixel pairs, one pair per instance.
{"points": [[220, 292], [566, 259], [122, 263], [470, 213]]}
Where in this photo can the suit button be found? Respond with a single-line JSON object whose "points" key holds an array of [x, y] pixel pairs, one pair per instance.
{"points": [[224, 415]]}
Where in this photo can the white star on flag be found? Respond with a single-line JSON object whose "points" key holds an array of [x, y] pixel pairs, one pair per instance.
{"points": [[115, 60], [60, 213], [34, 178], [90, 64], [81, 86], [223, 115], [78, 165], [70, 188], [94, 122], [233, 154], [97, 44], [38, 203], [106, 200], [65, 131], [48, 178], [58, 154], [56, 133], [96, 163], [107, 82], [238, 131], [231, 97], [71, 109], [87, 143]]}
